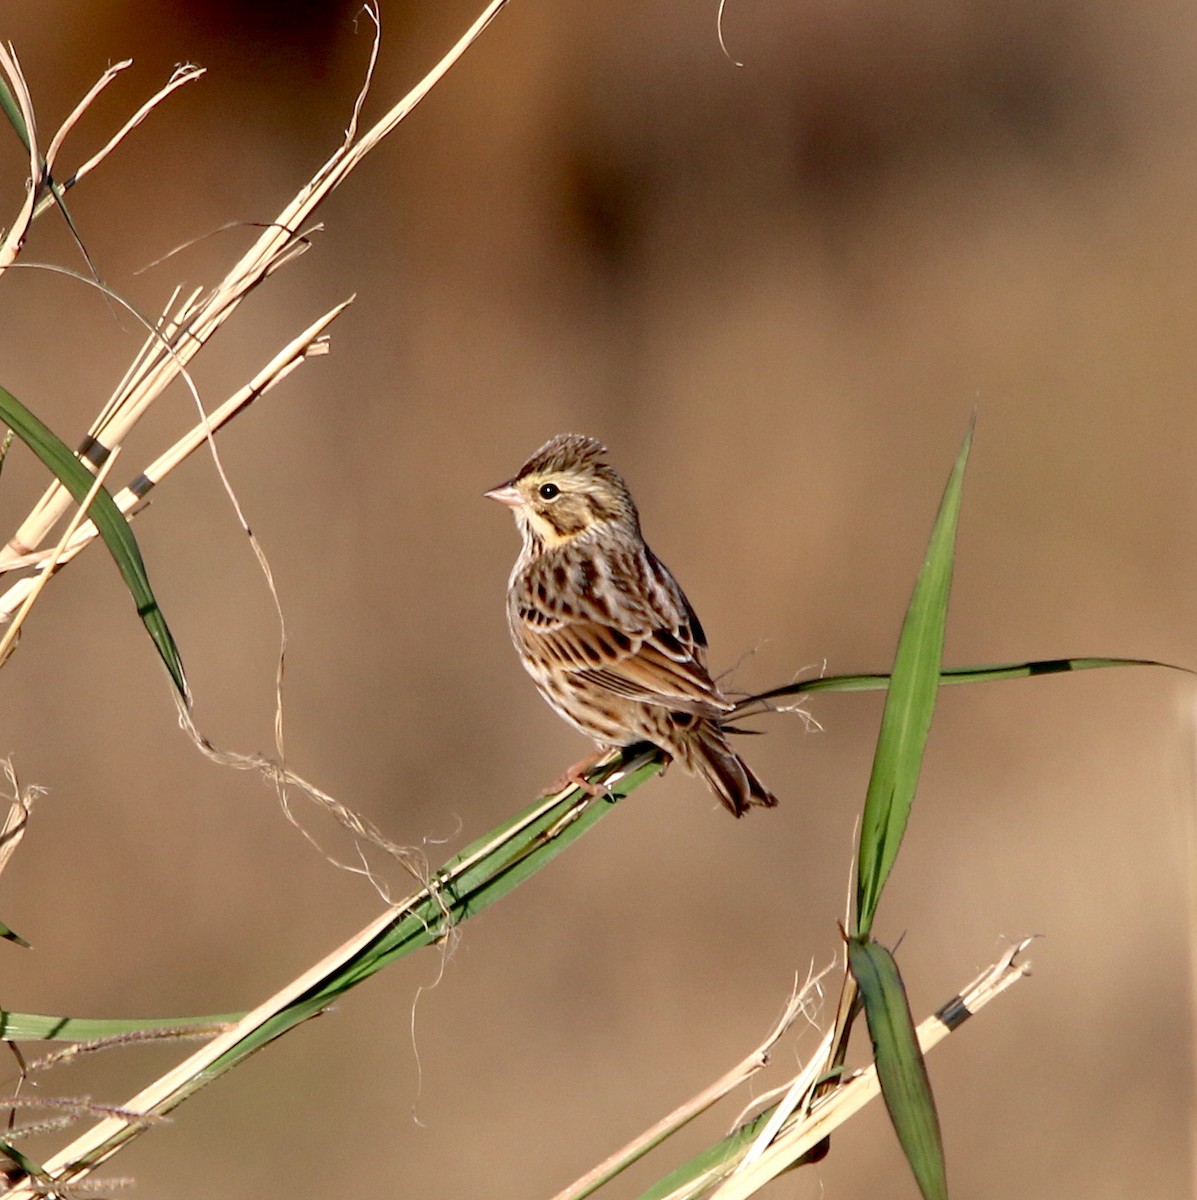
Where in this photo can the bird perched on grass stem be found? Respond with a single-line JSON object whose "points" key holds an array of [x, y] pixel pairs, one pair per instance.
{"points": [[604, 629]]}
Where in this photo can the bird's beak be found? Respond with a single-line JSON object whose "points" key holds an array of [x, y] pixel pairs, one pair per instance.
{"points": [[505, 493]]}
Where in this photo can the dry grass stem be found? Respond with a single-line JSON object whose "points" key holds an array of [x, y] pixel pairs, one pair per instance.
{"points": [[80, 1106], [195, 324], [37, 200], [307, 344], [165, 329], [164, 357], [171, 344], [103, 1140], [182, 75], [15, 238], [39, 581], [809, 1127], [99, 1143], [282, 778], [17, 819], [138, 1037], [78, 111], [798, 1003], [15, 1133]]}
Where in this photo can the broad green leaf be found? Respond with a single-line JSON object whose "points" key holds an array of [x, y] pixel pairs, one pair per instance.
{"points": [[900, 1067], [113, 527], [909, 705]]}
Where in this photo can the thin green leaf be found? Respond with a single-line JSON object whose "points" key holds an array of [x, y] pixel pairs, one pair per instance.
{"points": [[473, 880], [12, 110], [113, 527], [901, 1070], [23, 1164], [468, 883], [983, 674], [909, 705], [696, 1176], [34, 1027], [58, 191], [11, 935], [713, 1162]]}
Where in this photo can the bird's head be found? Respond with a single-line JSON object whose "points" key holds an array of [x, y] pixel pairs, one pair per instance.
{"points": [[566, 490]]}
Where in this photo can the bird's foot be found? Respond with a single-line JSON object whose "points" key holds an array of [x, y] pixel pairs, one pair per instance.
{"points": [[575, 776]]}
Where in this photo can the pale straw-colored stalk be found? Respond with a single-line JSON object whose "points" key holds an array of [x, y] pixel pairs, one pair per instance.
{"points": [[308, 343], [196, 321], [811, 1125]]}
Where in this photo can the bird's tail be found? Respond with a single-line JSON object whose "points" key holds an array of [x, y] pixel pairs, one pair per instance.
{"points": [[706, 752]]}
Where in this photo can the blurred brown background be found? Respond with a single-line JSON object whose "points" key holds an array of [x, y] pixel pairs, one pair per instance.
{"points": [[777, 291]]}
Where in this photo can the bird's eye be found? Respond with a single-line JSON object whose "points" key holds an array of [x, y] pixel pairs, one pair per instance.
{"points": [[548, 491]]}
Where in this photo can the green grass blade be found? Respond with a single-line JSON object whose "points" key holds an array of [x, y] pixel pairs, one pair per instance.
{"points": [[57, 192], [909, 705], [34, 1027], [715, 1160], [11, 935], [990, 673], [465, 886], [113, 527], [12, 111], [23, 1164], [901, 1070]]}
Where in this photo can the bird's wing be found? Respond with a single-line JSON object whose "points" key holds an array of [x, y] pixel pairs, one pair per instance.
{"points": [[656, 668], [656, 657]]}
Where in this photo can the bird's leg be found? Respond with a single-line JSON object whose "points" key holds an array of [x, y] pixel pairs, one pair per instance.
{"points": [[575, 776]]}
